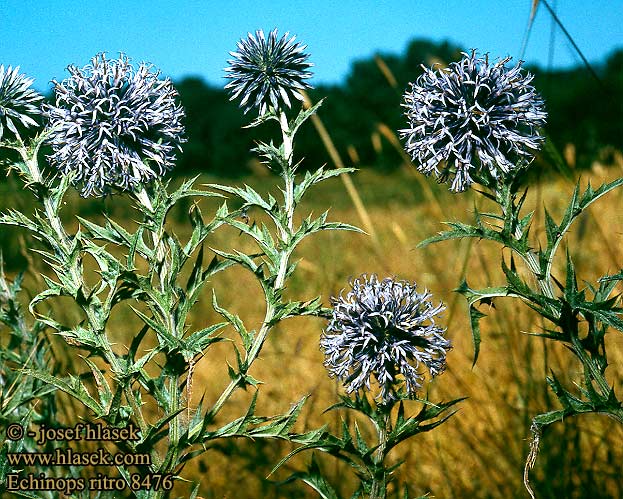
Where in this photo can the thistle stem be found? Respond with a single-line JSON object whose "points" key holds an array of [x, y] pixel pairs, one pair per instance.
{"points": [[543, 281], [63, 239], [267, 323], [65, 246], [176, 398], [256, 347], [36, 178], [288, 174], [546, 288], [379, 478]]}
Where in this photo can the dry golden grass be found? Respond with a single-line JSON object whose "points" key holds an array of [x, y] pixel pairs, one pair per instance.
{"points": [[480, 451]]}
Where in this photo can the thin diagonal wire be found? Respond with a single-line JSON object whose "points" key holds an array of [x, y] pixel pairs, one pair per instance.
{"points": [[557, 20]]}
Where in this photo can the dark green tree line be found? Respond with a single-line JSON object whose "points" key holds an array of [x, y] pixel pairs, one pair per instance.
{"points": [[582, 111]]}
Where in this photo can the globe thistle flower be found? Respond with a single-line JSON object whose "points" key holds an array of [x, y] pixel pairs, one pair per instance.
{"points": [[386, 330], [475, 118], [113, 126], [18, 102], [267, 73]]}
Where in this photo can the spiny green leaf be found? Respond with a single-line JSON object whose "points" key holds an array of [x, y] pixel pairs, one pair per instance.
{"points": [[424, 421], [52, 291], [239, 426], [197, 342], [316, 177], [273, 156], [302, 117], [103, 389], [576, 206], [249, 195], [279, 426], [14, 217], [313, 477], [234, 320], [550, 417], [263, 239], [263, 118], [157, 431], [186, 190], [359, 403], [362, 445], [71, 386], [160, 329], [461, 230], [473, 297], [96, 231], [297, 309], [240, 258], [82, 337]]}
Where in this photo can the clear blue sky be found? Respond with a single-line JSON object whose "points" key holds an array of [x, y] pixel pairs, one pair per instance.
{"points": [[194, 37]]}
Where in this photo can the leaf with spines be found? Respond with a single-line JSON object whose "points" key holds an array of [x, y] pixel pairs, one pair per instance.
{"points": [[427, 419], [239, 426], [297, 309], [103, 388], [14, 217], [249, 195], [246, 336], [579, 202], [273, 157], [278, 426], [310, 226], [459, 231], [109, 267], [167, 340], [303, 115], [313, 477], [243, 259], [186, 190], [319, 175], [516, 287], [196, 343], [263, 239], [362, 446], [269, 115], [605, 311], [200, 229], [72, 386], [157, 431], [342, 448], [474, 297]]}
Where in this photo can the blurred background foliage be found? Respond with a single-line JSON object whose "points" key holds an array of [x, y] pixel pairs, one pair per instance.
{"points": [[363, 114], [481, 451], [357, 112]]}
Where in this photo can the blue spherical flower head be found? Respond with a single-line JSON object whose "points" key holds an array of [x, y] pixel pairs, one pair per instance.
{"points": [[267, 73], [475, 119], [114, 127], [384, 331], [18, 101]]}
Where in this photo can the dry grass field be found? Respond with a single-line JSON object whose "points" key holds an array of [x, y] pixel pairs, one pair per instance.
{"points": [[480, 451]]}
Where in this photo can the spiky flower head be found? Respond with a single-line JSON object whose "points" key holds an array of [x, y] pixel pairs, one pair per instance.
{"points": [[18, 102], [384, 330], [267, 72], [475, 118], [113, 126]]}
